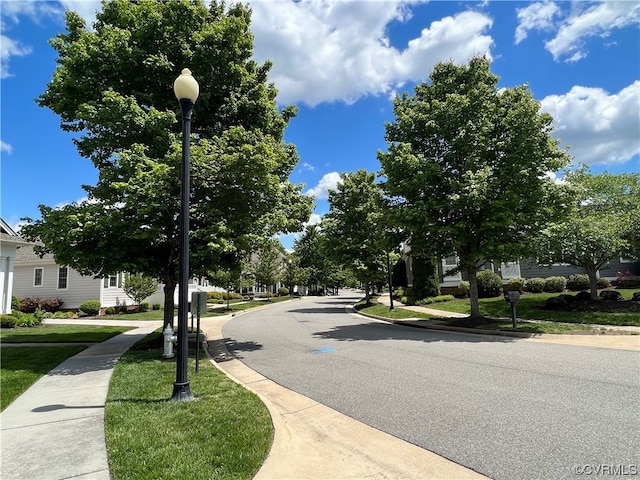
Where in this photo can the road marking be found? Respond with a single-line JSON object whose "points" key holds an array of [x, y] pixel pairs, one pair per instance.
{"points": [[323, 350]]}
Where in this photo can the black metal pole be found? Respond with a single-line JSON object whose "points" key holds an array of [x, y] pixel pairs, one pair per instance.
{"points": [[181, 387], [390, 282]]}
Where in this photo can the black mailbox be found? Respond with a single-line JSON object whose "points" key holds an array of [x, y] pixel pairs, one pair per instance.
{"points": [[512, 296]]}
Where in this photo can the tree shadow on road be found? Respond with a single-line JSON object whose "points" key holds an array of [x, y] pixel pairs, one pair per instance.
{"points": [[375, 331]]}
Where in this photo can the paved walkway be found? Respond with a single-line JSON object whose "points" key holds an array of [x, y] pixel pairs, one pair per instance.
{"points": [[55, 430]]}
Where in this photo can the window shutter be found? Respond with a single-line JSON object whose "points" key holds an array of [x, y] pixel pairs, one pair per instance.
{"points": [[106, 282], [120, 279]]}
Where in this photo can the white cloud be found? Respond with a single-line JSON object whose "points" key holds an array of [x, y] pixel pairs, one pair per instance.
{"points": [[601, 128], [595, 20], [335, 50], [328, 182], [10, 48], [537, 16], [308, 166], [315, 219], [5, 147]]}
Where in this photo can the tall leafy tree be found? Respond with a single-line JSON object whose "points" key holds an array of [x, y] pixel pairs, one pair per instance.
{"points": [[268, 266], [602, 223], [354, 227], [466, 164], [113, 87], [138, 287]]}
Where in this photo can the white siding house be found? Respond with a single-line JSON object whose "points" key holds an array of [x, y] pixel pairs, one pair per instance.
{"points": [[43, 278], [9, 242]]}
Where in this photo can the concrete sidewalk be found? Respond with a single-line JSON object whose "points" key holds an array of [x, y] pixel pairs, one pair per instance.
{"points": [[55, 429]]}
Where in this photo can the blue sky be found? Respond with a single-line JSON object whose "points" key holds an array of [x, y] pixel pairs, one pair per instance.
{"points": [[342, 62]]}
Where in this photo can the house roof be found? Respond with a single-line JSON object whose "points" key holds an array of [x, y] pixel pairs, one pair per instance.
{"points": [[25, 255], [8, 235]]}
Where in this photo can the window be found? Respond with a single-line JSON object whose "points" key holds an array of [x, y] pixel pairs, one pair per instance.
{"points": [[38, 277], [63, 277], [448, 264]]}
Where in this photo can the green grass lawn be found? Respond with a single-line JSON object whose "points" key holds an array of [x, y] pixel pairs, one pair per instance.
{"points": [[21, 367], [225, 433], [240, 306], [380, 310], [529, 308]]}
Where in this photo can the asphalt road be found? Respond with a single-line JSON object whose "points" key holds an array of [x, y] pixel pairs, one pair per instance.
{"points": [[504, 407]]}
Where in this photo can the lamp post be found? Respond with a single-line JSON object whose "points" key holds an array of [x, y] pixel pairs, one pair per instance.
{"points": [[186, 89], [390, 281]]}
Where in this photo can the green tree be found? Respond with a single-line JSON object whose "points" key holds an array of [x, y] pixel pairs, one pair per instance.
{"points": [[315, 264], [354, 227], [138, 286], [465, 167], [113, 87], [602, 223], [268, 266]]}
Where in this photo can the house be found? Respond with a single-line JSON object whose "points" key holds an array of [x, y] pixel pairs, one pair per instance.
{"points": [[9, 242], [524, 268]]}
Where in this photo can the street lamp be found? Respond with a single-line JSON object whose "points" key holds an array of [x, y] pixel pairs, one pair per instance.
{"points": [[186, 89]]}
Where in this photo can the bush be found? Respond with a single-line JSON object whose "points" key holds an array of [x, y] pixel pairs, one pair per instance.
{"points": [[489, 284], [437, 299], [283, 291], [579, 281], [583, 295], [611, 295], [7, 321], [463, 288], [555, 284], [29, 305], [516, 284], [399, 292], [50, 304], [27, 319], [603, 283], [568, 297], [15, 303], [535, 285], [109, 311], [123, 308], [144, 306], [65, 315], [156, 306], [636, 297], [214, 296], [91, 307], [555, 303], [265, 295], [408, 300]]}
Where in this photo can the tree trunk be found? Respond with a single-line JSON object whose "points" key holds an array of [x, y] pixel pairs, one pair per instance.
{"points": [[473, 291], [593, 283], [169, 292], [367, 297]]}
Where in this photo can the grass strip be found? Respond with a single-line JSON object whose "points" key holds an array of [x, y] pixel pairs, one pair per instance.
{"points": [[238, 307], [225, 433], [383, 311], [61, 333], [23, 366]]}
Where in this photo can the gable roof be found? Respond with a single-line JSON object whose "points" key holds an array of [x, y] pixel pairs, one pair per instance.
{"points": [[9, 236]]}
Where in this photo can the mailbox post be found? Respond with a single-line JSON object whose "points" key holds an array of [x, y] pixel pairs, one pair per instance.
{"points": [[512, 297]]}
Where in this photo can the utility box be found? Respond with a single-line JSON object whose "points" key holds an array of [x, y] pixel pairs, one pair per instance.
{"points": [[198, 303], [512, 296]]}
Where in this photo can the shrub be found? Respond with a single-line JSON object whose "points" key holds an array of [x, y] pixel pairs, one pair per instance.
{"points": [[463, 288], [7, 321], [611, 295], [516, 284], [555, 284], [91, 307], [265, 295], [214, 295], [27, 319], [583, 295], [15, 303], [408, 300], [636, 297], [535, 285], [555, 303], [579, 281], [65, 315], [603, 283], [29, 305], [399, 292], [568, 297], [437, 299], [144, 306], [109, 311], [628, 280], [489, 284], [156, 306], [123, 308], [283, 291], [50, 304]]}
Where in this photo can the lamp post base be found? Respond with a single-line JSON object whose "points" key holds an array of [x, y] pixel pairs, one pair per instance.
{"points": [[181, 392]]}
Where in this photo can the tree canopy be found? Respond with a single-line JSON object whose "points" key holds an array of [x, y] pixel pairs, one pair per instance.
{"points": [[601, 224], [466, 167], [113, 87]]}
